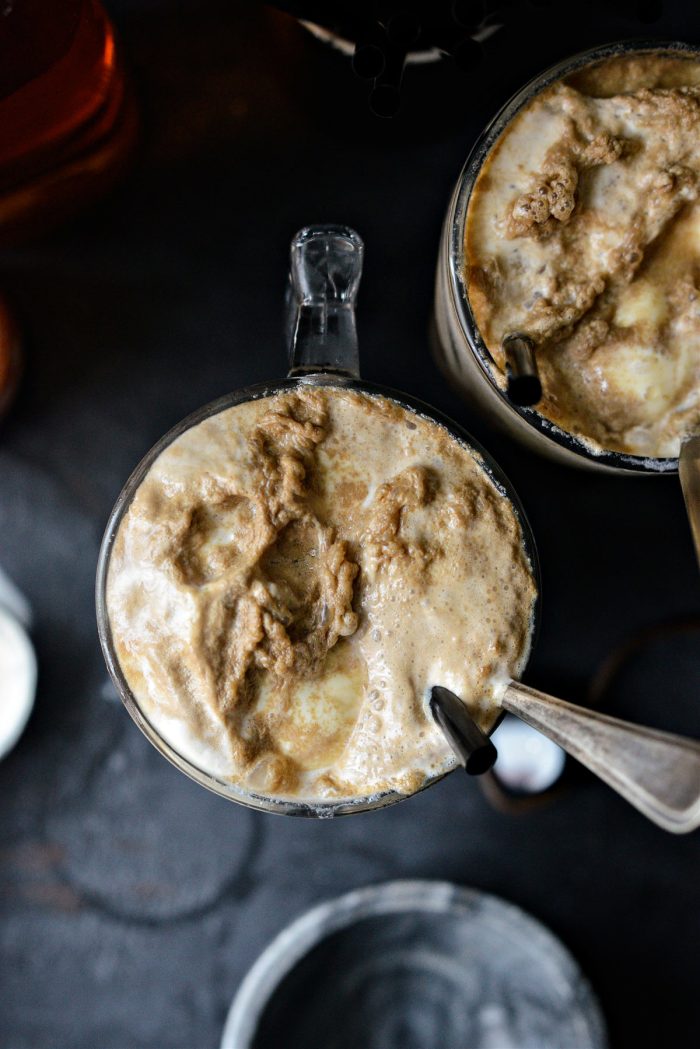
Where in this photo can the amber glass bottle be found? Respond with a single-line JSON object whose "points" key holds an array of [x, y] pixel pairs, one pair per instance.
{"points": [[67, 121]]}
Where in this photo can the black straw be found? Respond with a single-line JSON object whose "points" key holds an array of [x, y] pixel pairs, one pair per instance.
{"points": [[472, 748], [522, 376]]}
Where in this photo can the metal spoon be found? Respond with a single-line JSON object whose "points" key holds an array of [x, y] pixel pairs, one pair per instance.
{"points": [[657, 772]]}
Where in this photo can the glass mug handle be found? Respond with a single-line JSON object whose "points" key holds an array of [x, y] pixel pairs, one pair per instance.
{"points": [[324, 276]]}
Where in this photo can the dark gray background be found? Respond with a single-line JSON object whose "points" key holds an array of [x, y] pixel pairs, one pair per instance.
{"points": [[132, 900]]}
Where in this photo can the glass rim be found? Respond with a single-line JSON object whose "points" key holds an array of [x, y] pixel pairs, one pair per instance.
{"points": [[388, 899], [218, 784], [456, 222]]}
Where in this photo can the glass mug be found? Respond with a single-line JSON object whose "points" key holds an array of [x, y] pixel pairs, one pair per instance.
{"points": [[459, 346], [326, 266]]}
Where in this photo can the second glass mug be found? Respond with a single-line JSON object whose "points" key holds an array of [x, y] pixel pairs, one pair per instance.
{"points": [[658, 773], [459, 345]]}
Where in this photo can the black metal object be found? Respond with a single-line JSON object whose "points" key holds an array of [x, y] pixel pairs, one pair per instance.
{"points": [[385, 34]]}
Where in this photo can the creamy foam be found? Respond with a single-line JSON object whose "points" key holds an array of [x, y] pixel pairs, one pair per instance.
{"points": [[292, 576], [583, 231]]}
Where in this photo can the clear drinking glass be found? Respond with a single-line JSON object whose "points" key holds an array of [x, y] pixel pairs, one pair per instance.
{"points": [[326, 266], [459, 346]]}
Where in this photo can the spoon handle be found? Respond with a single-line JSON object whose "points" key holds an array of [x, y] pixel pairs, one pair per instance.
{"points": [[657, 772]]}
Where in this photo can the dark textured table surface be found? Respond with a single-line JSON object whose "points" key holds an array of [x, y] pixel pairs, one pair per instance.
{"points": [[133, 901]]}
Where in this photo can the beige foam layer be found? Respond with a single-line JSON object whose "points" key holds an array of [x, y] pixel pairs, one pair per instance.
{"points": [[229, 603]]}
